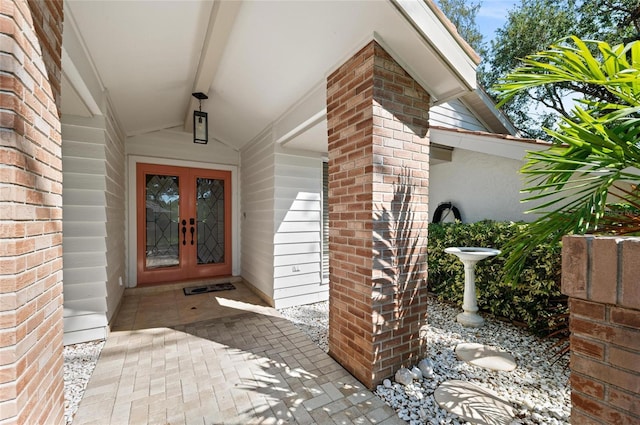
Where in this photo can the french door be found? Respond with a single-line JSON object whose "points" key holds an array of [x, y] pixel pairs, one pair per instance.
{"points": [[183, 223]]}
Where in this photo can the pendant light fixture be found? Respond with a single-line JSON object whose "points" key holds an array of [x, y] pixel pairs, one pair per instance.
{"points": [[200, 122]]}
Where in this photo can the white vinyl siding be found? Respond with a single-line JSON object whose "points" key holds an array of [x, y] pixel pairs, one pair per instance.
{"points": [[257, 182], [93, 220], [298, 231], [454, 114], [325, 222]]}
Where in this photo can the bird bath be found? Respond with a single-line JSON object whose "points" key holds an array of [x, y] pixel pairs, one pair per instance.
{"points": [[469, 257]]}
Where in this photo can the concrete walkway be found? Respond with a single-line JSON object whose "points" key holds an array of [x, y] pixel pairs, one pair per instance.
{"points": [[243, 365]]}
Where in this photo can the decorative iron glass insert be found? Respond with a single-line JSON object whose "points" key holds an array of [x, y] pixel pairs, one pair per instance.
{"points": [[162, 221], [210, 217]]}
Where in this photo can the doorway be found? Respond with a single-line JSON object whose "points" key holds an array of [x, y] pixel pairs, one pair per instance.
{"points": [[183, 221]]}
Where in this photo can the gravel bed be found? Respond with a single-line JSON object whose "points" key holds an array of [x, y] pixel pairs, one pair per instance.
{"points": [[538, 388], [79, 362]]}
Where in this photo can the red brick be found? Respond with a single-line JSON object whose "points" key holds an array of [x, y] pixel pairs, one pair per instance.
{"points": [[600, 410], [625, 359], [587, 386], [367, 149], [574, 265], [604, 270], [591, 310], [602, 372], [630, 290], [578, 417], [587, 347], [625, 317], [625, 401], [621, 336]]}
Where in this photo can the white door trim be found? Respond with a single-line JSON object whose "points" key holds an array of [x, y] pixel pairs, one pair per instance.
{"points": [[130, 228]]}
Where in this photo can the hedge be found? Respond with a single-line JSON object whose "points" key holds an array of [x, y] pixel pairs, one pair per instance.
{"points": [[536, 301]]}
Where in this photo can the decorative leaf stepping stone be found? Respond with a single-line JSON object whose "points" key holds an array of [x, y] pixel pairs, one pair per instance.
{"points": [[485, 356], [474, 404]]}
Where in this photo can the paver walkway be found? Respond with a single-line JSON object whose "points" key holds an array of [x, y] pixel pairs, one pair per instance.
{"points": [[249, 366]]}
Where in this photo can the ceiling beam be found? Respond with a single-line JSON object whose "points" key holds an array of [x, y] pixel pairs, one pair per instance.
{"points": [[221, 20]]}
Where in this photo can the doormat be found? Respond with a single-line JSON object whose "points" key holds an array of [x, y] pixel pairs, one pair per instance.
{"points": [[195, 290]]}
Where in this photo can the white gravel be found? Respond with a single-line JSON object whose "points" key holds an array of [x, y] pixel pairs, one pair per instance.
{"points": [[79, 362], [538, 388]]}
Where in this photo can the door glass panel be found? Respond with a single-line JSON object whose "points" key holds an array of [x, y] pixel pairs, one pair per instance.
{"points": [[210, 218], [162, 221]]}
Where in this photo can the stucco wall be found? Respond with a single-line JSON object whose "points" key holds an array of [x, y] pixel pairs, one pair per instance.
{"points": [[481, 186]]}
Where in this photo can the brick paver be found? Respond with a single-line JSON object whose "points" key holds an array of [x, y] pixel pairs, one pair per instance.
{"points": [[249, 368]]}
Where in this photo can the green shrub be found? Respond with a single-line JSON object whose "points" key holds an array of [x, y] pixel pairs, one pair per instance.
{"points": [[535, 301]]}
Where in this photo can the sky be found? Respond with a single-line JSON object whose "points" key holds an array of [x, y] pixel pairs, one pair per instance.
{"points": [[492, 15]]}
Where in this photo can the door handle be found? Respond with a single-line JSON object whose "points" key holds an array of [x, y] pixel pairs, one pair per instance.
{"points": [[192, 222], [184, 232]]}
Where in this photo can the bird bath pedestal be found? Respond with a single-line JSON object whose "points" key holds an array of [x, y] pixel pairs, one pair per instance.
{"points": [[469, 257]]}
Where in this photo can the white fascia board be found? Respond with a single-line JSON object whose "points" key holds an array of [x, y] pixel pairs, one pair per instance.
{"points": [[436, 35], [491, 106], [310, 110], [78, 66], [506, 148]]}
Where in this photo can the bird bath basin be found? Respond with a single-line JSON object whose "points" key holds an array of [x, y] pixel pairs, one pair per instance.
{"points": [[469, 257]]}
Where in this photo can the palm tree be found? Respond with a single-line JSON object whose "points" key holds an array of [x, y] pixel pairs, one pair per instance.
{"points": [[586, 182]]}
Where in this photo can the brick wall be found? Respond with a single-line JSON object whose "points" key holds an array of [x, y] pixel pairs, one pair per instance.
{"points": [[378, 181], [31, 384], [601, 275]]}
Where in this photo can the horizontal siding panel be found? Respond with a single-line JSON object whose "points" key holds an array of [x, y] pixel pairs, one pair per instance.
{"points": [[84, 275], [455, 114], [309, 298], [84, 259], [283, 271], [298, 226], [82, 150], [80, 212], [295, 193], [75, 228], [84, 197], [298, 237], [86, 321], [77, 337], [298, 171], [84, 165], [80, 291], [295, 291], [83, 181], [298, 216], [297, 204], [295, 259], [282, 160], [83, 244], [300, 183], [296, 248], [83, 134], [85, 306], [297, 280]]}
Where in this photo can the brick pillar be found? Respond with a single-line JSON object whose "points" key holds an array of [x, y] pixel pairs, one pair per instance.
{"points": [[378, 181], [600, 276], [31, 384]]}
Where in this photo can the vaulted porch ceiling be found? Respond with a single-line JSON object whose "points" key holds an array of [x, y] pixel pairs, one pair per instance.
{"points": [[262, 63]]}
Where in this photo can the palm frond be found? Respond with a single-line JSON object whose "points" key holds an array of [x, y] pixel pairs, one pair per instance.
{"points": [[595, 148]]}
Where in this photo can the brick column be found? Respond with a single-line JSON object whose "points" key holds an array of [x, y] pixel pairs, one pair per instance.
{"points": [[601, 277], [31, 384], [378, 181]]}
